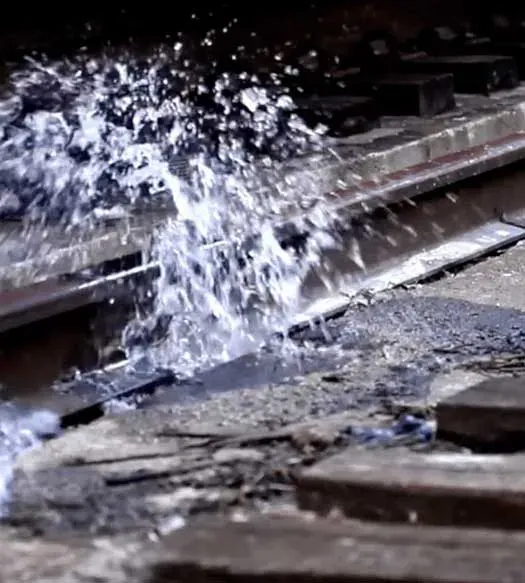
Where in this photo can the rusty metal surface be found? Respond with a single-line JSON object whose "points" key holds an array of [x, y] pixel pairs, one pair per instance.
{"points": [[413, 239], [360, 167], [414, 181], [33, 358], [427, 197], [403, 158], [346, 167], [32, 255], [461, 173], [19, 307], [404, 243], [466, 216], [499, 195], [89, 393]]}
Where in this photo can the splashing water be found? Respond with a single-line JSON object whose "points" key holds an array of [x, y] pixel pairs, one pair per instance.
{"points": [[91, 138], [20, 430]]}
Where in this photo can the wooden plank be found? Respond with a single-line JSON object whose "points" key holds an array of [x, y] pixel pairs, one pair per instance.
{"points": [[286, 548], [489, 415], [402, 486], [298, 549]]}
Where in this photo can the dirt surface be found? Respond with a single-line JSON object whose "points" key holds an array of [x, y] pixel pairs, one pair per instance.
{"points": [[233, 441], [496, 281], [382, 351], [25, 560], [149, 471]]}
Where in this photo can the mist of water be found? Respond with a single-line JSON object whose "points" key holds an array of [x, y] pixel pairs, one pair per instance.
{"points": [[19, 431], [94, 138]]}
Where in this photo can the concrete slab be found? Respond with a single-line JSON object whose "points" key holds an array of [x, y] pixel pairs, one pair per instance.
{"points": [[32, 255], [497, 281]]}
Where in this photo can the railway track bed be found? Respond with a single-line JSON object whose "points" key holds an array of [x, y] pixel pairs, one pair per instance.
{"points": [[232, 503], [431, 193], [388, 447], [363, 470]]}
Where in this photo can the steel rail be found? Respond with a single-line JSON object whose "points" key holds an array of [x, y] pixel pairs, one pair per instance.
{"points": [[403, 226], [399, 243], [21, 306]]}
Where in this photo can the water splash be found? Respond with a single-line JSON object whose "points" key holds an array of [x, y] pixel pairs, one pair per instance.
{"points": [[228, 283], [88, 139], [20, 430]]}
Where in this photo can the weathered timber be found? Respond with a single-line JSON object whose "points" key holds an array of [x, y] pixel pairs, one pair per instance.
{"points": [[296, 549], [402, 486], [489, 415], [143, 467]]}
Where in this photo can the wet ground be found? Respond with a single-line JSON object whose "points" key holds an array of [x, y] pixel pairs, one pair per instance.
{"points": [[386, 349], [233, 438]]}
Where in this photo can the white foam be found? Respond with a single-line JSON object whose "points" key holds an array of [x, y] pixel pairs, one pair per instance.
{"points": [[227, 195]]}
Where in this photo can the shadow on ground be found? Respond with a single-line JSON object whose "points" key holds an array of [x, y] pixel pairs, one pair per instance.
{"points": [[397, 344]]}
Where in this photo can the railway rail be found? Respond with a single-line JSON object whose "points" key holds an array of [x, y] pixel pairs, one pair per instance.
{"points": [[397, 490], [471, 192]]}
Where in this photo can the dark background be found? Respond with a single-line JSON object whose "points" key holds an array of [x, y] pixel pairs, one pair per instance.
{"points": [[58, 26]]}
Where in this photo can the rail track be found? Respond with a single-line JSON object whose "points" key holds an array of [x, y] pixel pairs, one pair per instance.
{"points": [[386, 489], [408, 224]]}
